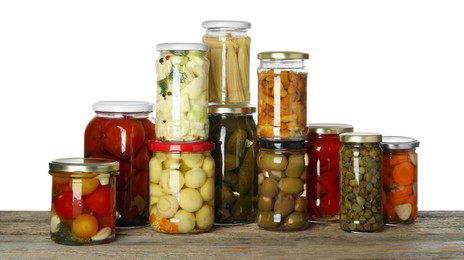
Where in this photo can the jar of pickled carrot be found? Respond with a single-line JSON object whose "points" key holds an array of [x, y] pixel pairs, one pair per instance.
{"points": [[282, 79], [399, 179], [121, 130], [83, 200], [229, 55], [323, 171]]}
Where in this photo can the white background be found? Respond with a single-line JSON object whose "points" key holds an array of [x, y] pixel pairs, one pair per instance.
{"points": [[393, 67]]}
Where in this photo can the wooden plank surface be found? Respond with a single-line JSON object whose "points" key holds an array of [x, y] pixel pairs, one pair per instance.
{"points": [[436, 234]]}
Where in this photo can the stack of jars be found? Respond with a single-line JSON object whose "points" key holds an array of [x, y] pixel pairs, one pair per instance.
{"points": [[282, 132], [232, 128], [181, 168]]}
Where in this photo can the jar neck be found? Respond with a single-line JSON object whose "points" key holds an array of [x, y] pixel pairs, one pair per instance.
{"points": [[224, 31], [322, 137], [123, 114], [282, 64]]}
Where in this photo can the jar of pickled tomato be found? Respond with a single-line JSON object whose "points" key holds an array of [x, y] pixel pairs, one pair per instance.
{"points": [[282, 201], [182, 187], [324, 171], [182, 92], [83, 200], [121, 130], [229, 55], [399, 179], [282, 98]]}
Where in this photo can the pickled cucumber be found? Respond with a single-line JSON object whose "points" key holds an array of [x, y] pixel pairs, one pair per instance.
{"points": [[236, 143], [245, 177]]}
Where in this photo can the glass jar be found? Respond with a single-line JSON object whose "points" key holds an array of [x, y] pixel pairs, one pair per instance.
{"points": [[281, 185], [282, 79], [229, 56], [121, 131], [399, 179], [232, 129], [83, 200], [182, 92], [324, 171], [361, 182], [182, 187]]}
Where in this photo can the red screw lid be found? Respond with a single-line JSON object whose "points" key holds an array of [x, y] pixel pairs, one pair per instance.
{"points": [[158, 146]]}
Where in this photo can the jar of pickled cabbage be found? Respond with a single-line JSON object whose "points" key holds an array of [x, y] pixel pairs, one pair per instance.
{"points": [[281, 185], [399, 179], [324, 171], [282, 80], [361, 182], [232, 129], [182, 92], [229, 56], [121, 130], [182, 187], [83, 200]]}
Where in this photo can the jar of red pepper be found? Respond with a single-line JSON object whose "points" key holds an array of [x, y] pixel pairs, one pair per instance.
{"points": [[323, 171], [121, 131]]}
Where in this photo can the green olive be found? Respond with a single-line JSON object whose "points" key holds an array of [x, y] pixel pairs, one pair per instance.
{"points": [[296, 165], [265, 219], [269, 188], [291, 185], [284, 204], [296, 220], [265, 203], [300, 204], [272, 161]]}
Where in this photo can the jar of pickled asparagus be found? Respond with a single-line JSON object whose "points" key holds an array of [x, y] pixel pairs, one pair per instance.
{"points": [[182, 187], [282, 82], [324, 171], [361, 182], [281, 185], [121, 131], [83, 200], [229, 56], [399, 179], [232, 129], [182, 92]]}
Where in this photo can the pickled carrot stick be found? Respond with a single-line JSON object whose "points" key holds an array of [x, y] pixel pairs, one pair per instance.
{"points": [[403, 173]]}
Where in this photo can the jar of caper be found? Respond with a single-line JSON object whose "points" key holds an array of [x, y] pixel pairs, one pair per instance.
{"points": [[281, 185], [361, 182], [232, 129]]}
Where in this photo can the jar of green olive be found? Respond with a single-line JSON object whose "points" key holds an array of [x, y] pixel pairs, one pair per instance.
{"points": [[232, 129], [361, 182], [281, 185]]}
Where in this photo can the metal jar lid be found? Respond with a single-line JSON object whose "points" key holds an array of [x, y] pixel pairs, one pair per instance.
{"points": [[83, 165], [282, 144], [231, 109], [329, 128], [226, 24], [123, 106], [283, 55], [398, 143], [181, 46], [360, 137]]}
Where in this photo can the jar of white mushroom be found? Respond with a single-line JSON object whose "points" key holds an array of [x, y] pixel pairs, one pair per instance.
{"points": [[181, 187]]}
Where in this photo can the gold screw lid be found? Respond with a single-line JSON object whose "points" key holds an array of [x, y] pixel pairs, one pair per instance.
{"points": [[283, 55], [330, 128], [83, 165], [231, 109], [360, 137]]}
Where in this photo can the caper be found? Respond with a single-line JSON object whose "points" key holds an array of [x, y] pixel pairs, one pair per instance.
{"points": [[284, 204], [265, 219], [269, 188], [296, 220]]}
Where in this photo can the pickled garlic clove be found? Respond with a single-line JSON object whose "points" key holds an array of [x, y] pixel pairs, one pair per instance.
{"points": [[54, 223], [104, 179], [413, 158], [139, 204], [403, 211], [102, 234]]}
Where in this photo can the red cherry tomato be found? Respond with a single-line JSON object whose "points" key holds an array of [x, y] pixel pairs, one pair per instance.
{"points": [[93, 137], [141, 159], [123, 137], [100, 201], [106, 221], [149, 127], [67, 206]]}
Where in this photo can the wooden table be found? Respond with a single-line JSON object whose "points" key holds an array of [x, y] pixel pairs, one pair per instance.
{"points": [[436, 234]]}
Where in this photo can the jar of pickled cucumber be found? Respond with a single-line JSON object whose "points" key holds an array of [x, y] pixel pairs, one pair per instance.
{"points": [[282, 80], [121, 131], [83, 200], [361, 182], [229, 56], [182, 187], [232, 129], [399, 179], [324, 171], [281, 185], [182, 92]]}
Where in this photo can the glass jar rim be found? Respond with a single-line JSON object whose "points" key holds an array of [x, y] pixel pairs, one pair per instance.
{"points": [[84, 165], [123, 106], [360, 137], [226, 24], [329, 128], [181, 46], [398, 143], [158, 146], [283, 55], [220, 109], [282, 144]]}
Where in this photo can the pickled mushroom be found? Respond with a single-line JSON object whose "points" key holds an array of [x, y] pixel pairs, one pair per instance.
{"points": [[208, 166], [205, 217], [184, 220], [207, 190], [195, 178], [190, 199], [155, 166], [171, 181], [193, 160], [167, 206]]}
